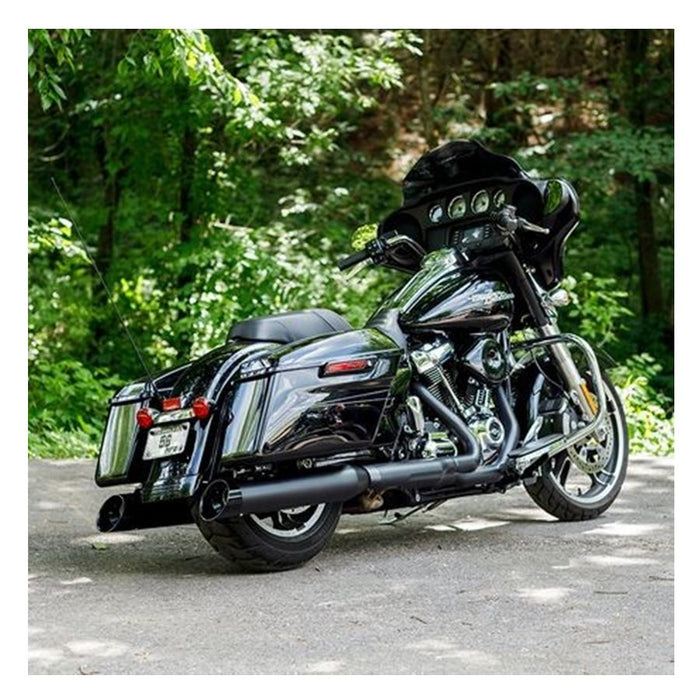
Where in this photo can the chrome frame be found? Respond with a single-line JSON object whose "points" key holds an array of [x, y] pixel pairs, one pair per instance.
{"points": [[566, 364]]}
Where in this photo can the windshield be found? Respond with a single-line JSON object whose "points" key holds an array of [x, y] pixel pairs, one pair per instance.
{"points": [[457, 161]]}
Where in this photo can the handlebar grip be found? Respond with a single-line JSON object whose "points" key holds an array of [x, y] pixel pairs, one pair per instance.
{"points": [[353, 259]]}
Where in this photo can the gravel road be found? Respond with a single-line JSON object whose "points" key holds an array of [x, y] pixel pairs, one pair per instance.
{"points": [[488, 585]]}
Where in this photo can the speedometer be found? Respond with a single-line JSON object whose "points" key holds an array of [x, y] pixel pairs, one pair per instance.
{"points": [[457, 208], [480, 202]]}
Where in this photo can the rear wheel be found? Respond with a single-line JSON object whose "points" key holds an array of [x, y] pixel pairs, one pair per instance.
{"points": [[583, 481], [275, 541]]}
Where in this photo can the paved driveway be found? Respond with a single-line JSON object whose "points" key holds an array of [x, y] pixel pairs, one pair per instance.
{"points": [[484, 585]]}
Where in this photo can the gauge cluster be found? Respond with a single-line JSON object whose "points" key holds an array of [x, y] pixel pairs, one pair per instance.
{"points": [[467, 204], [460, 218]]}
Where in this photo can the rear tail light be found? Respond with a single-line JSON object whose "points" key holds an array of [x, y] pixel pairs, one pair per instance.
{"points": [[346, 367], [144, 417], [201, 408]]}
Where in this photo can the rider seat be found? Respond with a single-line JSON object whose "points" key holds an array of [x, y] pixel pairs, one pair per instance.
{"points": [[289, 327]]}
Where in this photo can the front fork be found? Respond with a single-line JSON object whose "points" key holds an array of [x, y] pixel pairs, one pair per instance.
{"points": [[575, 384]]}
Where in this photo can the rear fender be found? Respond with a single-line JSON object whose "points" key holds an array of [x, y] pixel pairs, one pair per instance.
{"points": [[120, 460]]}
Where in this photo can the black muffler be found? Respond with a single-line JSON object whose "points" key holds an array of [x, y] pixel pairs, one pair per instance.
{"points": [[128, 512], [222, 502]]}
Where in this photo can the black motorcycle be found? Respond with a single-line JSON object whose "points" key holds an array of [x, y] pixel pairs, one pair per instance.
{"points": [[460, 384]]}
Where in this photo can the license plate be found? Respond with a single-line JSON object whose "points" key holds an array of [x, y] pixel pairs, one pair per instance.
{"points": [[166, 440]]}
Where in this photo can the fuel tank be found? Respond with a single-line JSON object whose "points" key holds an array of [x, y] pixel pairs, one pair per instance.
{"points": [[446, 295]]}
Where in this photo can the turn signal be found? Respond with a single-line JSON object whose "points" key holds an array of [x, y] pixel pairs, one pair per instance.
{"points": [[201, 407], [144, 418]]}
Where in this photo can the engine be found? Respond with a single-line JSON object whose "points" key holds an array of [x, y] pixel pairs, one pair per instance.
{"points": [[460, 382]]}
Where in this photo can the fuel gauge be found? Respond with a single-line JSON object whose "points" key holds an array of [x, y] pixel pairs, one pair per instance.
{"points": [[436, 213], [499, 199]]}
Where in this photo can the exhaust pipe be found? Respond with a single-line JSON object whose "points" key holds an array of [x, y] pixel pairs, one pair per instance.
{"points": [[221, 502], [128, 512]]}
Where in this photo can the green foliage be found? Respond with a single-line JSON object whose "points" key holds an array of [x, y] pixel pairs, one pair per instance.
{"points": [[241, 272], [67, 408], [58, 316], [49, 52], [174, 55], [220, 174], [598, 314], [600, 156], [311, 88], [649, 415], [598, 311]]}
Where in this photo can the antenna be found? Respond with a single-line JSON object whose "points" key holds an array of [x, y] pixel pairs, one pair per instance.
{"points": [[106, 288]]}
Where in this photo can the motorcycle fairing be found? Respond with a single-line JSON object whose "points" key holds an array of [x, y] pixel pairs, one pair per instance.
{"points": [[455, 162], [463, 168]]}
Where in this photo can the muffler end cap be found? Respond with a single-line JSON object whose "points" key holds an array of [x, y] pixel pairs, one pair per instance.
{"points": [[214, 500], [111, 516]]}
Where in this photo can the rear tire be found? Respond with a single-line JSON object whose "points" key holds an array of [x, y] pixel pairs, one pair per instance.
{"points": [[572, 490], [277, 541]]}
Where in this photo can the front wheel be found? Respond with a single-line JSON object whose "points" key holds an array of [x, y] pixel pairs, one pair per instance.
{"points": [[274, 541], [583, 481]]}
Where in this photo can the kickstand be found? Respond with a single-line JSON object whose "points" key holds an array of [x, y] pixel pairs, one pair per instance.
{"points": [[398, 517]]}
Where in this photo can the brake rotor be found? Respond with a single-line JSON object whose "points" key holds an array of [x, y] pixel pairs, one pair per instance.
{"points": [[593, 453]]}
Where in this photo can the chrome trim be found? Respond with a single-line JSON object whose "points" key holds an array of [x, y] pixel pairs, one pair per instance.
{"points": [[118, 443], [524, 461], [176, 416]]}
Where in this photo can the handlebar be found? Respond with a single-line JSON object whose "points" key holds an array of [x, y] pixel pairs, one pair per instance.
{"points": [[376, 249], [505, 220], [353, 259]]}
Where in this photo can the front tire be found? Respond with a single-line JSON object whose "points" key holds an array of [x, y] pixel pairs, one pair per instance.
{"points": [[275, 541], [584, 481]]}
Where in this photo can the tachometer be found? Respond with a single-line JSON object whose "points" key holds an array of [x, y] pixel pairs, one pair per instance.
{"points": [[436, 213], [480, 202], [457, 208]]}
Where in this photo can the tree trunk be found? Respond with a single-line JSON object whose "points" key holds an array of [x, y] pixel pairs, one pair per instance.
{"points": [[648, 251], [499, 112], [105, 245], [636, 70], [426, 100], [188, 153]]}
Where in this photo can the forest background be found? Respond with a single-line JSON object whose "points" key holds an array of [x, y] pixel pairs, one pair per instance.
{"points": [[219, 174]]}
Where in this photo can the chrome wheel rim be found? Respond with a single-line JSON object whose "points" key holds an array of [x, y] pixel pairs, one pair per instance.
{"points": [[590, 471], [290, 522]]}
